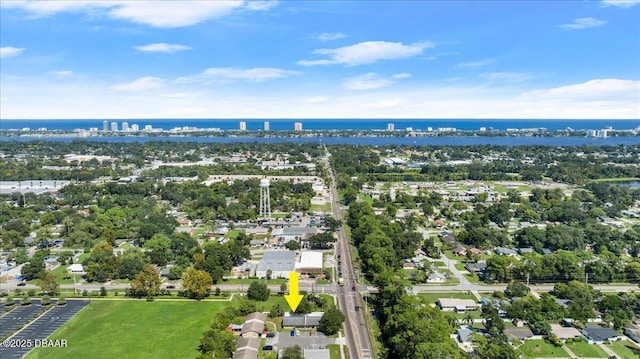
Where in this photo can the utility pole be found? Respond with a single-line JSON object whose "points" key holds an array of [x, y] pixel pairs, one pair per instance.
{"points": [[527, 279], [586, 278]]}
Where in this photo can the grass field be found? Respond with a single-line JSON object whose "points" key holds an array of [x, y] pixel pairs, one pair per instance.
{"points": [[625, 349], [432, 297], [320, 207], [134, 329], [541, 349], [440, 264], [586, 350], [334, 351]]}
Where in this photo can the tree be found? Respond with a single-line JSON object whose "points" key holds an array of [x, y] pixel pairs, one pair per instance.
{"points": [[258, 291], [292, 245], [294, 352], [47, 282], [331, 321], [516, 290], [217, 343], [196, 283], [146, 283]]}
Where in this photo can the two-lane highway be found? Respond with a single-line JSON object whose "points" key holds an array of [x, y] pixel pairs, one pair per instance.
{"points": [[356, 331]]}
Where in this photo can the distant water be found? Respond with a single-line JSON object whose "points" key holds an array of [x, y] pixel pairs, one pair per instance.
{"points": [[328, 124], [374, 141]]}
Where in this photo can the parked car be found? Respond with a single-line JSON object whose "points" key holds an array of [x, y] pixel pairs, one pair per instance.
{"points": [[267, 347], [271, 335]]}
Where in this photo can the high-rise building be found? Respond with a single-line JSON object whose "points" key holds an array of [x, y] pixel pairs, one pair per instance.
{"points": [[297, 126], [114, 126], [266, 125], [148, 127], [125, 126], [135, 127], [105, 125], [390, 127], [243, 126]]}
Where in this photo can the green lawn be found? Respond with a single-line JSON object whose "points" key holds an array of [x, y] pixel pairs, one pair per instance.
{"points": [[625, 349], [541, 349], [334, 351], [320, 207], [586, 350], [59, 274], [232, 234], [133, 329], [432, 297], [439, 263], [365, 198]]}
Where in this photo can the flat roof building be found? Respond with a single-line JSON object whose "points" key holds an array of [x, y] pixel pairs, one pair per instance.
{"points": [[302, 320], [279, 262], [310, 263]]}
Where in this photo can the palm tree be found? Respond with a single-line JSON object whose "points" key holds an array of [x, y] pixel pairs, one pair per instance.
{"points": [[468, 319]]}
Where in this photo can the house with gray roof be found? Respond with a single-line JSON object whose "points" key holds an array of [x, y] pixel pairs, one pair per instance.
{"points": [[247, 348], [595, 335], [633, 332], [302, 320], [464, 335]]}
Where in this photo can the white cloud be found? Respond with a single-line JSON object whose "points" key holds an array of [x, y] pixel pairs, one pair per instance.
{"points": [[261, 5], [388, 103], [371, 81], [593, 90], [330, 36], [256, 74], [62, 73], [163, 14], [368, 81], [583, 23], [402, 75], [141, 84], [476, 64], [10, 51], [162, 47], [367, 53], [620, 3], [509, 77]]}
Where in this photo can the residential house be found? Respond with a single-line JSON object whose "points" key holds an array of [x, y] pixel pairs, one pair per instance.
{"points": [[501, 251], [476, 267], [460, 251], [464, 335], [595, 335], [458, 305], [247, 348], [633, 332], [515, 333], [254, 325], [436, 277], [564, 332]]}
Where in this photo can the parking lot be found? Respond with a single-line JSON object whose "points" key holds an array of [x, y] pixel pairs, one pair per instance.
{"points": [[42, 327], [21, 314], [305, 340]]}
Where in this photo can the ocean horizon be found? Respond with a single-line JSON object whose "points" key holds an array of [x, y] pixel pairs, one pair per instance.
{"points": [[276, 124]]}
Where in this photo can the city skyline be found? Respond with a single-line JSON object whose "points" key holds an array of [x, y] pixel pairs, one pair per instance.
{"points": [[271, 59]]}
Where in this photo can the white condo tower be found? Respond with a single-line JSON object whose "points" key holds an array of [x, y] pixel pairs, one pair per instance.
{"points": [[265, 201]]}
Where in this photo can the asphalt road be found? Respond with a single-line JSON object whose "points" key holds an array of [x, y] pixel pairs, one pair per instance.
{"points": [[34, 334], [356, 331]]}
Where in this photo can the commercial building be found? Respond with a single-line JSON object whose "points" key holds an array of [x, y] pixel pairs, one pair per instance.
{"points": [[114, 126], [297, 126], [391, 127], [266, 125], [280, 263], [243, 126], [293, 233], [310, 263], [105, 125], [125, 126], [135, 127]]}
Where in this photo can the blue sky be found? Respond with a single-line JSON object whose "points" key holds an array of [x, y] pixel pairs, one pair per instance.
{"points": [[325, 59]]}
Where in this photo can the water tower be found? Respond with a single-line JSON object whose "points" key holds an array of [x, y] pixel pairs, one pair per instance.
{"points": [[265, 201]]}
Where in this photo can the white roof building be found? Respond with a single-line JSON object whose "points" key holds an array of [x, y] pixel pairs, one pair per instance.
{"points": [[310, 263], [76, 268]]}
